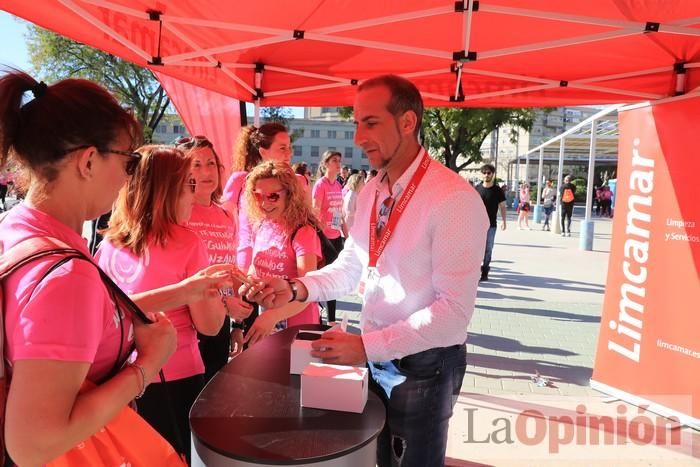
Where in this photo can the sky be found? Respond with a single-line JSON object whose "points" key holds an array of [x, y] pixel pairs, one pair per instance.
{"points": [[14, 52]]}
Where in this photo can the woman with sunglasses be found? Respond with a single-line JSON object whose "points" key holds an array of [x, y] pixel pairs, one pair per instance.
{"points": [[286, 243], [328, 202], [218, 228], [62, 328], [148, 245]]}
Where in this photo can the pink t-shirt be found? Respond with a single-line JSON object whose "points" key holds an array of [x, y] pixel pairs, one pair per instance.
{"points": [[216, 227], [274, 255], [69, 316], [233, 192], [183, 255], [328, 195]]}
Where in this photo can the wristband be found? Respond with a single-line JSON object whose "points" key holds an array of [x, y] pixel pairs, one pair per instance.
{"points": [[295, 290]]}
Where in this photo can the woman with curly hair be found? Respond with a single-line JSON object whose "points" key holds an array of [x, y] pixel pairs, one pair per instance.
{"points": [[286, 243]]}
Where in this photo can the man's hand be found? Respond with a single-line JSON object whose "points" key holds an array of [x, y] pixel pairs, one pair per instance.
{"points": [[271, 292], [236, 342], [340, 348], [503, 225]]}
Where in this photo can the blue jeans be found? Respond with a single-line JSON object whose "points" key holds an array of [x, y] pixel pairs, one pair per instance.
{"points": [[419, 392], [490, 239]]}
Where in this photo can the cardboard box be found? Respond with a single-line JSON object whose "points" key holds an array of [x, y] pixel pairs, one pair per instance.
{"points": [[334, 387], [300, 351]]}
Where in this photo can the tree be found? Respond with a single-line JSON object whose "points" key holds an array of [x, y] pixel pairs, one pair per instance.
{"points": [[276, 114], [55, 57], [451, 133]]}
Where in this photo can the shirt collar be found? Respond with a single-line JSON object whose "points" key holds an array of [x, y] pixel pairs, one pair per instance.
{"points": [[400, 184]]}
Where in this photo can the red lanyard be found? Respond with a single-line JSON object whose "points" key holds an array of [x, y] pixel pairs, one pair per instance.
{"points": [[377, 248]]}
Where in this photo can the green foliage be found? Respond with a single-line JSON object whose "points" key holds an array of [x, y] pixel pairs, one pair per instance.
{"points": [[345, 113], [451, 133], [55, 57], [276, 114], [581, 184]]}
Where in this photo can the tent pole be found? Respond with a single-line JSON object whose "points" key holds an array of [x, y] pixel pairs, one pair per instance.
{"points": [[587, 226], [556, 223], [538, 206]]}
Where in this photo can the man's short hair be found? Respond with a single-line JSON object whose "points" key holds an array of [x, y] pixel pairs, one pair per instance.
{"points": [[488, 168], [404, 96]]}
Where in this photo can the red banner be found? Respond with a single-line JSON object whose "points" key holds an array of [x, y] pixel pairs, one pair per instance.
{"points": [[649, 343], [206, 113]]}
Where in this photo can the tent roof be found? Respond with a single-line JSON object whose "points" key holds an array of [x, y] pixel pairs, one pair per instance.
{"points": [[484, 53]]}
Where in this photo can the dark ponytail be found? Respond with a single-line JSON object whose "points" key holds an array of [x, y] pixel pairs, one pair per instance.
{"points": [[38, 123], [246, 154]]}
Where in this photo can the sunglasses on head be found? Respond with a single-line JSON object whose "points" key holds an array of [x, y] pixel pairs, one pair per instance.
{"points": [[188, 142], [271, 197]]}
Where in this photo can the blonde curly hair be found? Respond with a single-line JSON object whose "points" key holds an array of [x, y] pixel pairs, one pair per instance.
{"points": [[297, 211]]}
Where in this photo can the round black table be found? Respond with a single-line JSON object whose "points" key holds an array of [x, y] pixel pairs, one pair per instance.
{"points": [[250, 415]]}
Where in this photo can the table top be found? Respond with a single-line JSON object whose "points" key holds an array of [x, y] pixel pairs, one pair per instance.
{"points": [[251, 411]]}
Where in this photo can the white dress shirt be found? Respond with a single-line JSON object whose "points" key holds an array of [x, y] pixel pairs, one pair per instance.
{"points": [[422, 295]]}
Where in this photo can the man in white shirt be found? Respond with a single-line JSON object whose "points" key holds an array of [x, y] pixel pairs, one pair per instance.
{"points": [[415, 249]]}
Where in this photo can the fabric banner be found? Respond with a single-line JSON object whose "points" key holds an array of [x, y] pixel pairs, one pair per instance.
{"points": [[649, 343], [206, 113]]}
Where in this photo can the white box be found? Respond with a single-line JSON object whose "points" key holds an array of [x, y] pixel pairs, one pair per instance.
{"points": [[334, 387], [300, 353]]}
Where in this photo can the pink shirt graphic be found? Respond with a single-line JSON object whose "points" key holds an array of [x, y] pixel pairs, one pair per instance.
{"points": [[183, 255], [69, 316], [217, 229], [275, 256], [328, 195]]}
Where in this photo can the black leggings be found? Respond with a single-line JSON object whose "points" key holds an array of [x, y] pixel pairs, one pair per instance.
{"points": [[338, 244], [567, 210], [166, 407]]}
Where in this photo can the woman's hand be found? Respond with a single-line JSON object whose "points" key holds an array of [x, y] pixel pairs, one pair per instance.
{"points": [[155, 343], [237, 340], [262, 327], [236, 308], [207, 282]]}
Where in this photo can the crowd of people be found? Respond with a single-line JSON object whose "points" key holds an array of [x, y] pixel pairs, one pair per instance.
{"points": [[179, 241]]}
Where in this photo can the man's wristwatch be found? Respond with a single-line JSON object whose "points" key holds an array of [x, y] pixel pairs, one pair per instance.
{"points": [[235, 325], [295, 290]]}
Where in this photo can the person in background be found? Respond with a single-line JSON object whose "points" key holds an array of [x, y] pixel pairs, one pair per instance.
{"points": [[147, 246], [61, 324], [549, 198], [494, 200], [524, 206], [218, 229], [286, 242], [363, 173], [327, 202], [372, 173], [354, 186], [418, 289], [568, 195], [300, 168], [342, 177], [5, 179]]}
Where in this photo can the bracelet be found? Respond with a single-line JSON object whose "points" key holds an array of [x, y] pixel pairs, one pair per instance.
{"points": [[295, 290], [143, 384]]}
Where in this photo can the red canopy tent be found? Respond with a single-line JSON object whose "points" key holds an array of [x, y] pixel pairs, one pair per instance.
{"points": [[467, 53]]}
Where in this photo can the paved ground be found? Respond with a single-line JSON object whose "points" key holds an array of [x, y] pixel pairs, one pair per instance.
{"points": [[540, 312]]}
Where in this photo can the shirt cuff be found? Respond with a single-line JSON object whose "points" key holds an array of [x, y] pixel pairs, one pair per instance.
{"points": [[374, 347]]}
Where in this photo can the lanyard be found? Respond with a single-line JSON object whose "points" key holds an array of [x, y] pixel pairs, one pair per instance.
{"points": [[376, 248]]}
